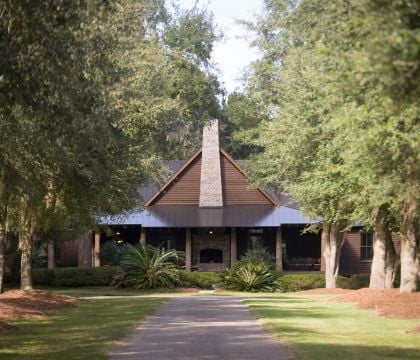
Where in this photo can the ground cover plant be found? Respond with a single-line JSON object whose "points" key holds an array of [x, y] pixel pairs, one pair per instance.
{"points": [[317, 328], [81, 332]]}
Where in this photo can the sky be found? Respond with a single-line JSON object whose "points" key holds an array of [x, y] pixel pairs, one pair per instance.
{"points": [[233, 53]]}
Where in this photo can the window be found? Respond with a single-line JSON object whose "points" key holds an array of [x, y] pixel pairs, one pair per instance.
{"points": [[255, 239], [366, 246]]}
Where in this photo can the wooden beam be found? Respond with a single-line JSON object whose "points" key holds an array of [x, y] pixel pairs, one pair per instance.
{"points": [[188, 249], [233, 247], [143, 236], [279, 250], [96, 250]]}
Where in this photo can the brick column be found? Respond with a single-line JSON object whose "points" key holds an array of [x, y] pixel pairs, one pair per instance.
{"points": [[96, 249], [188, 248], [143, 236], [279, 250], [51, 255], [233, 247]]}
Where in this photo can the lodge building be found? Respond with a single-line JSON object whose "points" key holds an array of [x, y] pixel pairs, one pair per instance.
{"points": [[208, 209]]}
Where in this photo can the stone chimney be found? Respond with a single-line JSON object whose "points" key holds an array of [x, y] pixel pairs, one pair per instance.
{"points": [[211, 174]]}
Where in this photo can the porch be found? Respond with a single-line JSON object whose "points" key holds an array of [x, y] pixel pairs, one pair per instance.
{"points": [[217, 248]]}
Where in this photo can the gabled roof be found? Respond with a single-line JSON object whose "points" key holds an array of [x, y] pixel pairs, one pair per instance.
{"points": [[244, 173], [178, 176], [173, 178]]}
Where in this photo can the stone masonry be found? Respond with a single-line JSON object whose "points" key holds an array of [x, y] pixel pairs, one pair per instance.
{"points": [[217, 240], [211, 175]]}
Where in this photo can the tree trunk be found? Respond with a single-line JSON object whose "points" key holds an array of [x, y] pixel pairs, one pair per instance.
{"points": [[25, 244], [50, 255], [332, 239], [2, 254], [384, 255], [410, 249], [391, 262]]}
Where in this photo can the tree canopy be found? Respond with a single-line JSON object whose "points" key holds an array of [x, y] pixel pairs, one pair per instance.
{"points": [[340, 80]]}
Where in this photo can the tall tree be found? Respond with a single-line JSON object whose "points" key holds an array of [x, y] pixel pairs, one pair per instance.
{"points": [[87, 90], [330, 81], [61, 131]]}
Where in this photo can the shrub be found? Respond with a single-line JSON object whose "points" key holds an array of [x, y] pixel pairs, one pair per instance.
{"points": [[147, 267], [259, 255], [74, 276], [203, 280], [353, 282], [251, 276], [111, 253], [300, 282]]}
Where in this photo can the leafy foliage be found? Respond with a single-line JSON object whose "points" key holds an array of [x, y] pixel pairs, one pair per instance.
{"points": [[111, 253], [340, 82], [250, 276], [200, 279], [300, 282], [146, 267], [75, 276], [84, 111], [259, 255], [353, 282]]}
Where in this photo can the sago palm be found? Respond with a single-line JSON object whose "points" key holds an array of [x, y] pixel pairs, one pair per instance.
{"points": [[146, 267]]}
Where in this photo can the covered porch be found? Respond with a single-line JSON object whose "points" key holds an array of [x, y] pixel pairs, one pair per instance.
{"points": [[218, 248]]}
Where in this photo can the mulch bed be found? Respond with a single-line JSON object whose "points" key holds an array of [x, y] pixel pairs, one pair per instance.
{"points": [[386, 303], [19, 304], [6, 327]]}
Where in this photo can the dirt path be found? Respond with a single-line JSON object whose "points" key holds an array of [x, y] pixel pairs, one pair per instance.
{"points": [[214, 327]]}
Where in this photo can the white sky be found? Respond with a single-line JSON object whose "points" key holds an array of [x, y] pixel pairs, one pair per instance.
{"points": [[233, 53]]}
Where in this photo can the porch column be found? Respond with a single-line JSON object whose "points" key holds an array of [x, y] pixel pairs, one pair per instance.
{"points": [[279, 250], [233, 246], [188, 259], [96, 249], [143, 236], [51, 255]]}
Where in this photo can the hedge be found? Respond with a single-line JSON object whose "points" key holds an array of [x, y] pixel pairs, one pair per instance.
{"points": [[103, 276], [300, 282], [353, 282], [74, 276], [204, 280]]}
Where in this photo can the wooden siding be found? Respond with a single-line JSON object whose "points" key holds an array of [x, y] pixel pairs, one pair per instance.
{"points": [[236, 188], [350, 262], [69, 253], [184, 190]]}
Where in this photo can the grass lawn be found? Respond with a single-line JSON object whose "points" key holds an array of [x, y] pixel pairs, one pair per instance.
{"points": [[317, 329], [83, 332]]}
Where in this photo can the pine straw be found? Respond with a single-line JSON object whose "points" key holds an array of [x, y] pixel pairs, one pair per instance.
{"points": [[19, 304], [387, 303]]}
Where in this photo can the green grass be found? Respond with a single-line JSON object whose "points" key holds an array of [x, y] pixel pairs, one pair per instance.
{"points": [[82, 332], [317, 329]]}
